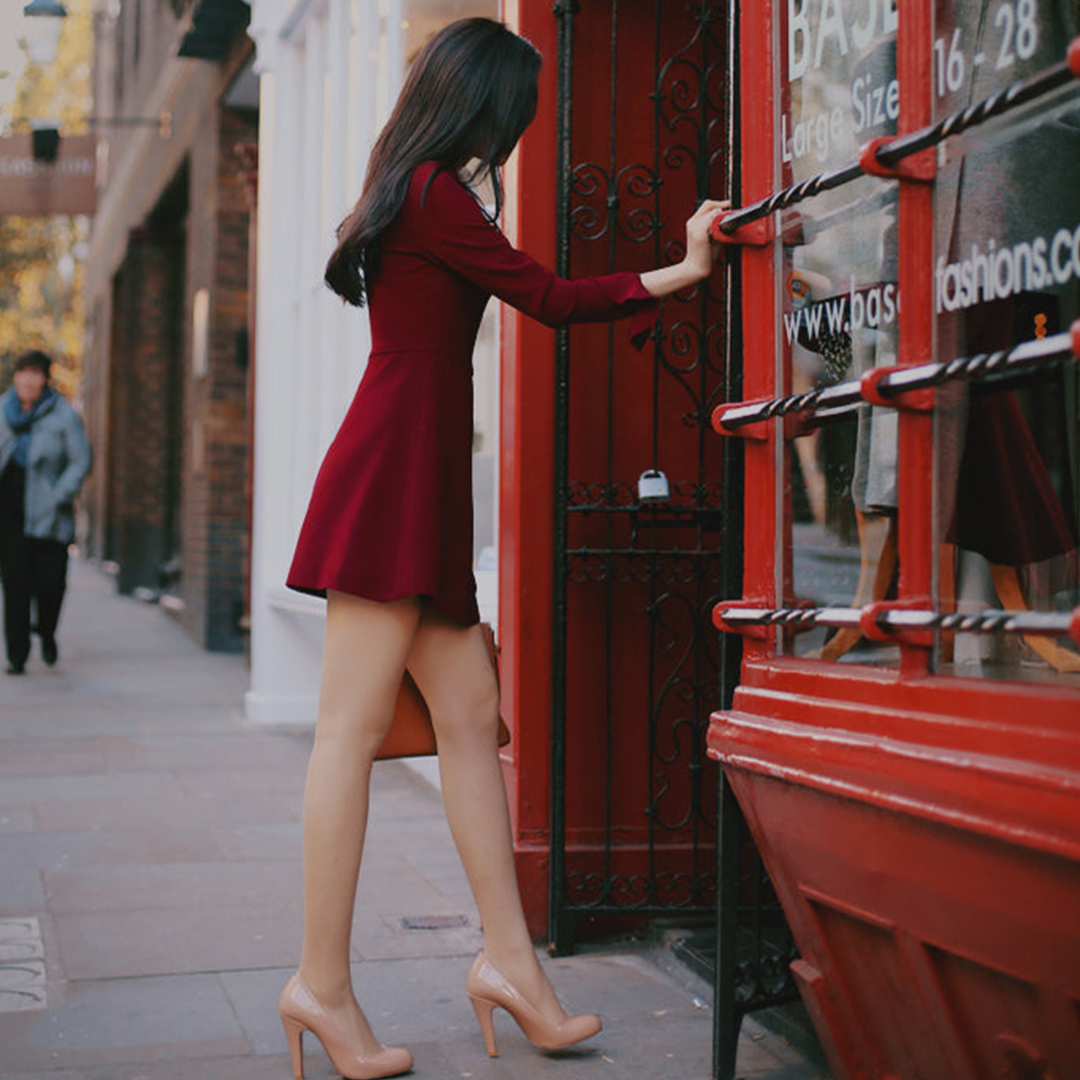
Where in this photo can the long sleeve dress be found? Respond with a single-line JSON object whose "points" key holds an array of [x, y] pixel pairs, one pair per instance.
{"points": [[391, 512]]}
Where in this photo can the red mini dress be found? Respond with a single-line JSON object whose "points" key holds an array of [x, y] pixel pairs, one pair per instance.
{"points": [[391, 512]]}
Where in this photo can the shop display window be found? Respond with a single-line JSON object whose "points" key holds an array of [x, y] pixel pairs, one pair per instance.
{"points": [[840, 296], [1006, 271], [910, 228]]}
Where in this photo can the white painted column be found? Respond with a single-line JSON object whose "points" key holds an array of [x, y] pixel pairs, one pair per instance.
{"points": [[286, 632], [333, 204]]}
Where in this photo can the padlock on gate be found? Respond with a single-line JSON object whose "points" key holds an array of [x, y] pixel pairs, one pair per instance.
{"points": [[652, 487]]}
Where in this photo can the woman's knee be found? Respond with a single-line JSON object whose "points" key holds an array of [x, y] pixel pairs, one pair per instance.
{"points": [[354, 717], [472, 715]]}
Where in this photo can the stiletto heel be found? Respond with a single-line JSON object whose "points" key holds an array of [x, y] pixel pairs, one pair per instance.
{"points": [[488, 988], [301, 1011], [294, 1036], [484, 1009]]}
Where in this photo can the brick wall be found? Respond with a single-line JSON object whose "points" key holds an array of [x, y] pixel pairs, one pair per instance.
{"points": [[94, 393], [215, 511], [141, 426], [169, 499]]}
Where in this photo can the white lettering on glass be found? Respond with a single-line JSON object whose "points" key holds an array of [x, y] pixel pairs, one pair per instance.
{"points": [[815, 26], [994, 273]]}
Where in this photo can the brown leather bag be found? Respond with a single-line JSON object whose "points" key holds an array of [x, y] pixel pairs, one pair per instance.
{"points": [[411, 733]]}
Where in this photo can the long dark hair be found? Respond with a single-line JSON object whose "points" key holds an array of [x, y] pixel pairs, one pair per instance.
{"points": [[469, 95]]}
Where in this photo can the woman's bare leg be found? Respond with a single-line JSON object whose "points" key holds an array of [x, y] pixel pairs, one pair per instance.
{"points": [[451, 666], [363, 660]]}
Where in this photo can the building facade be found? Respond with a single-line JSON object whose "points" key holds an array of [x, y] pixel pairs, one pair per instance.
{"points": [[167, 366]]}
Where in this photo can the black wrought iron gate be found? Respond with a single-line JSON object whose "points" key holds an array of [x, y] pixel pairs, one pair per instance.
{"points": [[643, 134], [643, 575]]}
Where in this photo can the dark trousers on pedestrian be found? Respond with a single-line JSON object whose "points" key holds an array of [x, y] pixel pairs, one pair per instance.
{"points": [[33, 572]]}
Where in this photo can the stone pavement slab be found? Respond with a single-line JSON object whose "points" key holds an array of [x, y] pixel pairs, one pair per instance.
{"points": [[151, 837], [20, 891]]}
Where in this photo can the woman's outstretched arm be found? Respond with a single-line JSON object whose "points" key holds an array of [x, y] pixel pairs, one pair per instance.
{"points": [[701, 252], [452, 228]]}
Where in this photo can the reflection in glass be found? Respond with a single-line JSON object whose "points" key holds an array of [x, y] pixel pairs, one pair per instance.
{"points": [[841, 88], [982, 46], [840, 304], [1007, 269], [840, 310]]}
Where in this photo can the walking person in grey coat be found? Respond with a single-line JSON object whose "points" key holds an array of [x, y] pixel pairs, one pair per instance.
{"points": [[44, 458]]}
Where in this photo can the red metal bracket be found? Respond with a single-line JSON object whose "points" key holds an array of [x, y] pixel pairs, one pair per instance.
{"points": [[912, 400], [1072, 56], [795, 424], [792, 232], [798, 424], [760, 632], [757, 233], [873, 631], [756, 430], [919, 167], [1074, 330]]}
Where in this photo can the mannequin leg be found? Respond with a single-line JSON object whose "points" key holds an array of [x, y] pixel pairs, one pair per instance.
{"points": [[363, 659], [1007, 584], [451, 666], [877, 544]]}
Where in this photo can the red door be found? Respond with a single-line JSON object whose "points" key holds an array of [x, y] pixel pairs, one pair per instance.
{"points": [[607, 592]]}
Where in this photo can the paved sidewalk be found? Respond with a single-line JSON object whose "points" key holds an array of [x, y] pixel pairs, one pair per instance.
{"points": [[150, 890]]}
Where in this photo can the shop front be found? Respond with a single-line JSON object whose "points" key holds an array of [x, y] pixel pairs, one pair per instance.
{"points": [[905, 738]]}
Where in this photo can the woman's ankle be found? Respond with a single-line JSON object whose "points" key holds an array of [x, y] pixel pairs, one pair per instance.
{"points": [[331, 991], [517, 957], [521, 967]]}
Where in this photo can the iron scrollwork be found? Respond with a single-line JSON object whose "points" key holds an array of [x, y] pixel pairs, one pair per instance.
{"points": [[667, 555]]}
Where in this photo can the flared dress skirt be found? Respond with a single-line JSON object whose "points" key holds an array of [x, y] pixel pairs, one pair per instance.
{"points": [[391, 512]]}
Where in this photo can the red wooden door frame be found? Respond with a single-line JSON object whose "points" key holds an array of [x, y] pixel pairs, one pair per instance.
{"points": [[527, 487]]}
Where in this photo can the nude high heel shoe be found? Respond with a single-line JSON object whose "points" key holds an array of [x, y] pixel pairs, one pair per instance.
{"points": [[488, 988], [300, 1011]]}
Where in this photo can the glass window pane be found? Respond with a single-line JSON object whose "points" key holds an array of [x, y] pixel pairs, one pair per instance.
{"points": [[1007, 270], [839, 306]]}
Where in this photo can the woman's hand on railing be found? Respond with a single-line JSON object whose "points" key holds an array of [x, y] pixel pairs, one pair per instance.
{"points": [[701, 253]]}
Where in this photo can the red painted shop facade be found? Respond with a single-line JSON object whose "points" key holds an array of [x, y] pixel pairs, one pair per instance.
{"points": [[905, 738]]}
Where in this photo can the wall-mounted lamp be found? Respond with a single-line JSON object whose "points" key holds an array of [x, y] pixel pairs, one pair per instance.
{"points": [[44, 20]]}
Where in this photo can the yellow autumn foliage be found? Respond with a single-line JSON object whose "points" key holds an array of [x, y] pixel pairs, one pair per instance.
{"points": [[41, 258]]}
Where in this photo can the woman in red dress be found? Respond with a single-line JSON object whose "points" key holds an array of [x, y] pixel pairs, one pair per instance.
{"points": [[388, 534]]}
